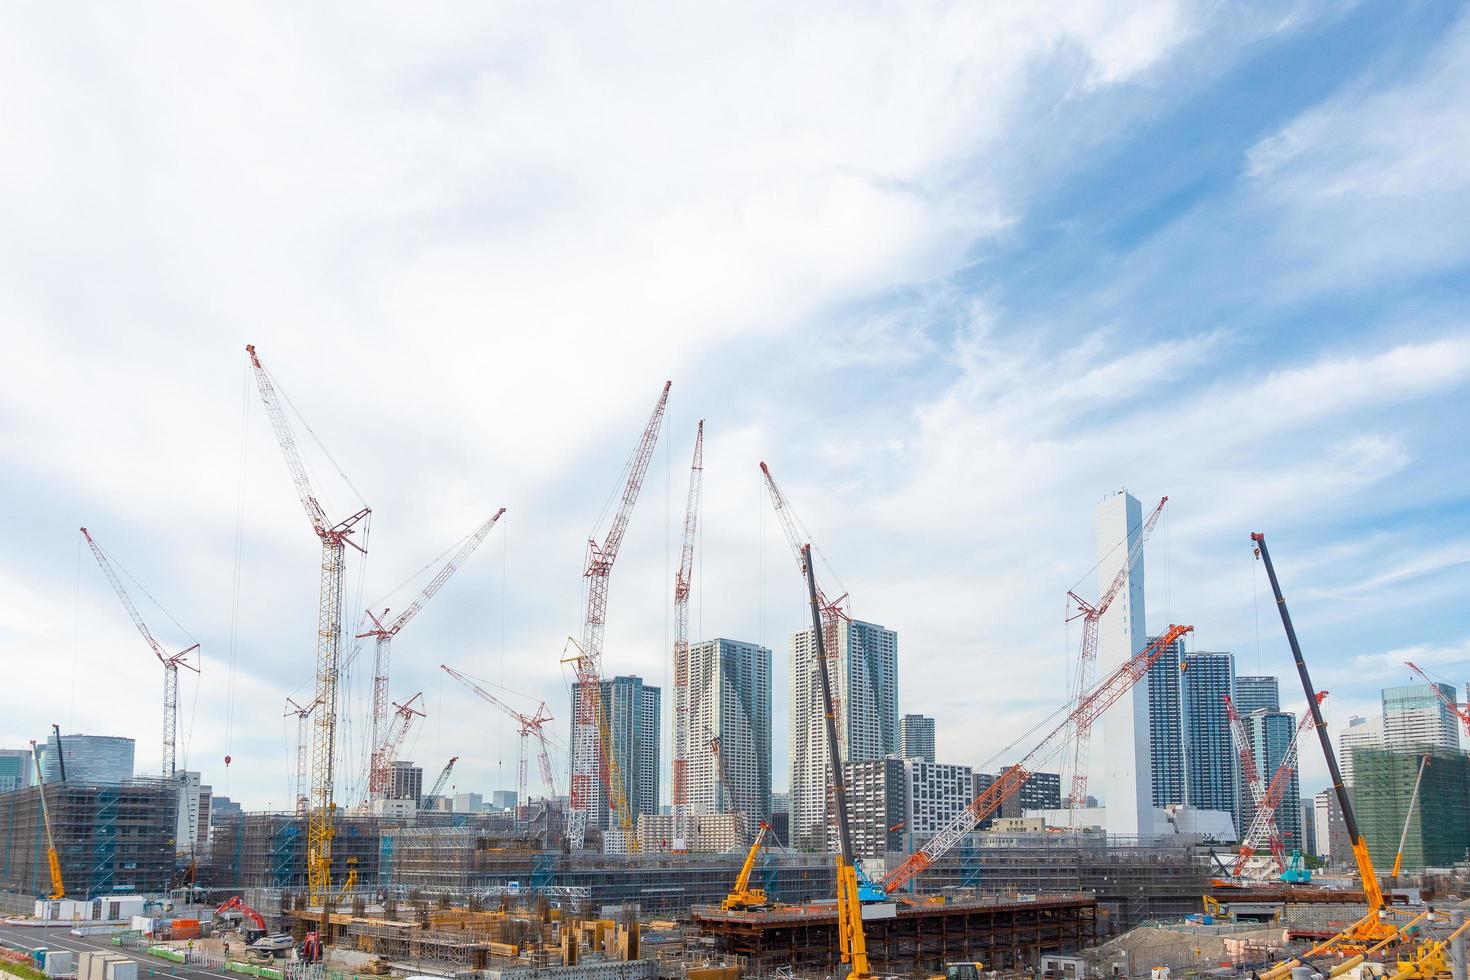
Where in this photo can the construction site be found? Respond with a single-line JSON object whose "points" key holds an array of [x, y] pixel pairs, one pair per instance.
{"points": [[597, 882]]}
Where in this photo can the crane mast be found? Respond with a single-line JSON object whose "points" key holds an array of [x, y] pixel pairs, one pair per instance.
{"points": [[170, 662], [1089, 707], [403, 717], [592, 757], [1371, 927], [1091, 615], [682, 581], [334, 540], [303, 737], [379, 765]]}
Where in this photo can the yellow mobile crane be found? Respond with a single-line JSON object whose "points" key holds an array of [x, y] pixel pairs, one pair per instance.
{"points": [[742, 897], [1373, 928], [58, 890], [851, 944]]}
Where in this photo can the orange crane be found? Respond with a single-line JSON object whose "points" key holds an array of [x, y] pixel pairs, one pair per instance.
{"points": [[1091, 615], [1462, 713], [303, 721], [682, 583], [334, 540], [379, 765], [171, 662], [592, 757], [531, 726], [1089, 706]]}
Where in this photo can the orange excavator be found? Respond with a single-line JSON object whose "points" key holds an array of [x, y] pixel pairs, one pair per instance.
{"points": [[237, 904]]}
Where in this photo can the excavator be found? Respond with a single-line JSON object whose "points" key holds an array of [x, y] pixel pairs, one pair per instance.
{"points": [[742, 897], [237, 904]]}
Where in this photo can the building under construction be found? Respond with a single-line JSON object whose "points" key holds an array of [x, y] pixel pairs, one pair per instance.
{"points": [[109, 838], [268, 850], [1436, 833]]}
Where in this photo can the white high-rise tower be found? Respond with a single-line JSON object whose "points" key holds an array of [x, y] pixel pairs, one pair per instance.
{"points": [[1128, 776]]}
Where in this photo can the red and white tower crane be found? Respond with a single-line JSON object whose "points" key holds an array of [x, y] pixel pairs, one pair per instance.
{"points": [[171, 662], [403, 716], [1089, 707], [334, 540], [380, 765], [1460, 712], [1263, 828], [591, 759], [303, 723], [1091, 615], [682, 582], [529, 727]]}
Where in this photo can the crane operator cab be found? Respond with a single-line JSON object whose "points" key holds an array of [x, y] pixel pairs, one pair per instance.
{"points": [[962, 971]]}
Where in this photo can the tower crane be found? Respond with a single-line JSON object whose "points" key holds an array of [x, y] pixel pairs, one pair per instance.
{"points": [[334, 541], [1372, 928], [833, 611], [379, 767], [530, 726], [1091, 615], [171, 662], [437, 789], [682, 582], [303, 723], [591, 758], [403, 717], [1263, 827], [1459, 711], [1090, 705]]}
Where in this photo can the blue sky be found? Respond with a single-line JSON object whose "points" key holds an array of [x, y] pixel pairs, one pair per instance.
{"points": [[955, 273]]}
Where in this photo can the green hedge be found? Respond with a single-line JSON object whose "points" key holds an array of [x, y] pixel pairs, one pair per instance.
{"points": [[21, 970]]}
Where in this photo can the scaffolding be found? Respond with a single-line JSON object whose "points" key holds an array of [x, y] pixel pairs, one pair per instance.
{"points": [[109, 838], [1439, 827]]}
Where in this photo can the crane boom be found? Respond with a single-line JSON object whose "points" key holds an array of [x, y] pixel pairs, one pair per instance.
{"points": [[53, 861], [529, 725], [378, 767], [592, 757], [334, 541], [682, 585], [1092, 614], [1398, 856], [1371, 928], [1462, 713], [1009, 782], [438, 788]]}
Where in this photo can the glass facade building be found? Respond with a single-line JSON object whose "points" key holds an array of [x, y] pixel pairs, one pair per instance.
{"points": [[104, 760]]}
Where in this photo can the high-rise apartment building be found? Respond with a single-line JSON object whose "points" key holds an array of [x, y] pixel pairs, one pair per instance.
{"points": [[730, 701], [103, 760], [632, 709], [1193, 757], [1270, 733], [1166, 726], [1042, 791], [1127, 765], [406, 781], [916, 737], [897, 803], [1333, 845], [1256, 693], [980, 782], [1365, 733], [192, 819], [16, 769], [1414, 718], [864, 677]]}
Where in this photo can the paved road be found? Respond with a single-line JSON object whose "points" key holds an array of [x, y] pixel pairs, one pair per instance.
{"points": [[59, 937]]}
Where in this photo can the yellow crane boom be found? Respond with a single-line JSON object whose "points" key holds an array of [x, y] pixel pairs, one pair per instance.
{"points": [[58, 889], [742, 896]]}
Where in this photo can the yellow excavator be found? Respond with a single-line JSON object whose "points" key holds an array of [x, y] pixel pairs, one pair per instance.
{"points": [[742, 897], [58, 890]]}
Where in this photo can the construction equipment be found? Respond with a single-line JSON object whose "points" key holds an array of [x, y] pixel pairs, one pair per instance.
{"points": [[851, 944], [237, 904], [53, 861], [682, 585], [1398, 856], [380, 766], [334, 540], [1429, 959], [303, 721], [1091, 704], [403, 716], [742, 897], [1091, 615], [834, 611], [973, 970], [530, 726], [1461, 712], [1296, 872], [171, 662], [1246, 758], [592, 757], [1372, 928], [1212, 906], [432, 797], [1263, 826], [728, 798]]}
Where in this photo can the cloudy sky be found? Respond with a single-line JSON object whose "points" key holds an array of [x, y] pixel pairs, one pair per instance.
{"points": [[957, 273]]}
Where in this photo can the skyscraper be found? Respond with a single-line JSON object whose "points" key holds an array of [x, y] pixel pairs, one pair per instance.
{"points": [[1254, 693], [916, 737], [16, 769], [1414, 718], [1212, 779], [105, 760], [632, 709], [406, 781], [1270, 733], [897, 803], [1360, 732], [1166, 726], [1127, 764], [730, 700], [864, 677]]}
